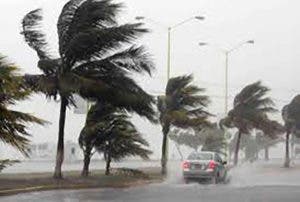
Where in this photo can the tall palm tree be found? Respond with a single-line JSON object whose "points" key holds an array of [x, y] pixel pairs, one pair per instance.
{"points": [[250, 110], [109, 131], [291, 117], [95, 60], [182, 106], [13, 124]]}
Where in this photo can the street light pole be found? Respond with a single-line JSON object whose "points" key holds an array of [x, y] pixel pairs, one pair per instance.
{"points": [[227, 53], [169, 31], [169, 54], [226, 82]]}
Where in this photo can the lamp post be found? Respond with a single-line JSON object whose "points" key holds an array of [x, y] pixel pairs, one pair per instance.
{"points": [[227, 53], [170, 29]]}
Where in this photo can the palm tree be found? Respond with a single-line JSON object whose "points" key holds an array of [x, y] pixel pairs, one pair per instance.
{"points": [[291, 117], [95, 60], [13, 124], [250, 110], [124, 141], [182, 106], [100, 119], [109, 131]]}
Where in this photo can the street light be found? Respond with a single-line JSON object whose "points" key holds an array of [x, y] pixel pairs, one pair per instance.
{"points": [[170, 29], [227, 53]]}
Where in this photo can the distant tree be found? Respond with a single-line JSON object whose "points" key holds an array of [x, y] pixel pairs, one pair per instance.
{"points": [[250, 110], [264, 142], [94, 60], [291, 117], [186, 138], [208, 139], [214, 140], [14, 124], [109, 131], [182, 106], [252, 145]]}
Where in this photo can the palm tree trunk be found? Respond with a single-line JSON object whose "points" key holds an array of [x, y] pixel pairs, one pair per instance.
{"points": [[60, 143], [287, 151], [108, 161], [237, 148], [267, 154], [164, 155], [86, 162]]}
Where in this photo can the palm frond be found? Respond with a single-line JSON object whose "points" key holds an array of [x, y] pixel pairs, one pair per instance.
{"points": [[251, 109], [43, 84], [64, 21], [132, 59], [183, 105], [78, 15], [32, 33], [5, 163], [119, 90], [96, 42], [50, 66], [178, 83]]}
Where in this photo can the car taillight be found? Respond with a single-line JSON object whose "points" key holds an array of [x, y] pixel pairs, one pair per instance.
{"points": [[212, 165], [186, 165]]}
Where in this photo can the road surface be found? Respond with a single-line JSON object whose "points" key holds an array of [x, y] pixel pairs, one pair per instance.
{"points": [[249, 183], [168, 193]]}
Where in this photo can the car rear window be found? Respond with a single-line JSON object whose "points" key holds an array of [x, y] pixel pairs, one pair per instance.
{"points": [[200, 156]]}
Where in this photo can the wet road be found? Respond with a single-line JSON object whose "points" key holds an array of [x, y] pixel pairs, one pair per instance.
{"points": [[169, 193], [249, 183]]}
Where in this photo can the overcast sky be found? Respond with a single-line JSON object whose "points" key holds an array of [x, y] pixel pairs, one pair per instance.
{"points": [[273, 59]]}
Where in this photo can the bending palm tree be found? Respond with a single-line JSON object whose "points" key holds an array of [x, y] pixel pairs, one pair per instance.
{"points": [[122, 140], [88, 63], [109, 131], [13, 124], [250, 110], [100, 118], [182, 106]]}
